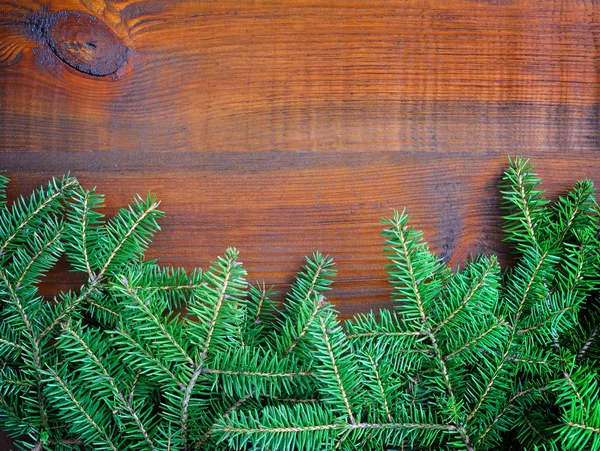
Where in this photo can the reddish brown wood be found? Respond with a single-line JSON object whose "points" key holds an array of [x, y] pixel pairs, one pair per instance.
{"points": [[288, 127], [83, 42]]}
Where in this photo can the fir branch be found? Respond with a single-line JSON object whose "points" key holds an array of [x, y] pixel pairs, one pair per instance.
{"points": [[291, 429], [35, 347], [187, 394], [217, 310], [257, 373], [261, 300], [474, 288], [378, 334], [235, 406], [474, 341], [545, 321], [534, 274], [25, 426], [505, 409], [577, 398], [414, 269], [225, 276], [88, 418], [105, 309], [17, 382], [158, 324], [290, 400], [489, 385], [342, 427], [528, 361], [529, 283], [336, 371], [167, 287], [3, 183], [69, 307], [313, 429], [523, 201], [133, 386], [313, 315], [137, 224], [259, 316], [588, 342], [141, 350], [305, 302], [118, 395], [413, 258], [583, 427], [453, 368], [28, 213], [254, 370], [86, 258], [11, 344], [571, 384], [46, 248], [525, 204], [381, 390], [578, 203], [85, 231], [533, 428]]}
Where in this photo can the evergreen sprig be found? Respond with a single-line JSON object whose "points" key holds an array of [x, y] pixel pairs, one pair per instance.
{"points": [[159, 358]]}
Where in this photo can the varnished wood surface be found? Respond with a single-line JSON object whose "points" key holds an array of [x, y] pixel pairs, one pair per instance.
{"points": [[283, 128]]}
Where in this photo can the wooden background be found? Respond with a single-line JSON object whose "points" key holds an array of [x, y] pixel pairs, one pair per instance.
{"points": [[282, 128]]}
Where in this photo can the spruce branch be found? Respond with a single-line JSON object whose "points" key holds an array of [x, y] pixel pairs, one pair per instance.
{"points": [[80, 346], [260, 315], [591, 337], [152, 357], [335, 365], [486, 278], [382, 390], [127, 235], [174, 286], [136, 354], [314, 427], [304, 302], [575, 211], [33, 346], [524, 203], [129, 232], [26, 266], [3, 184], [260, 373], [505, 409], [84, 224], [413, 273], [84, 421], [29, 214], [164, 331]]}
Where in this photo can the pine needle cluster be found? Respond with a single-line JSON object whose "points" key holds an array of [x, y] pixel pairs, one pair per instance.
{"points": [[149, 357]]}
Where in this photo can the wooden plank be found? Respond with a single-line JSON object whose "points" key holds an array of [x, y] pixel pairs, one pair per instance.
{"points": [[282, 128]]}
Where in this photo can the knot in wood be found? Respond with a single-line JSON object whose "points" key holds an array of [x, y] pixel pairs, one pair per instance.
{"points": [[85, 43]]}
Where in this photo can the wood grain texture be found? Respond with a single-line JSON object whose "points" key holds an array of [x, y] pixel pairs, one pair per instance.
{"points": [[283, 128]]}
